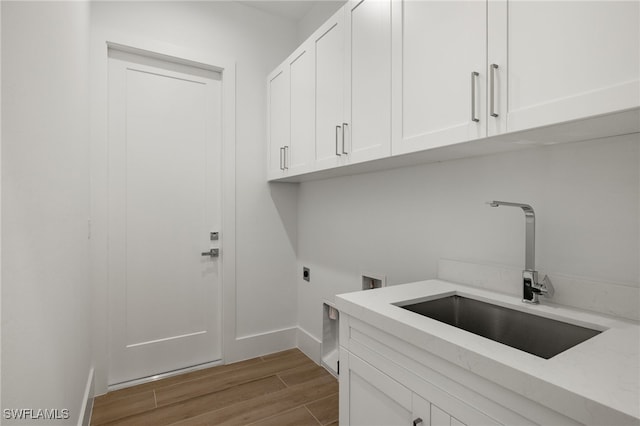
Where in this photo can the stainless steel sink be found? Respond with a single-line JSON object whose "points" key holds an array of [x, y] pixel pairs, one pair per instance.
{"points": [[540, 336]]}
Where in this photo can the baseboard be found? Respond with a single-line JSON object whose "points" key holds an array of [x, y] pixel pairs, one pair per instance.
{"points": [[84, 419], [256, 345], [309, 345], [168, 374]]}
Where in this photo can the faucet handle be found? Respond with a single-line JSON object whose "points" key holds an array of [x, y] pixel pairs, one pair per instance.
{"points": [[545, 287]]}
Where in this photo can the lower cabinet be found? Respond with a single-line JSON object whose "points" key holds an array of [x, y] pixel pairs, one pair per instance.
{"points": [[387, 381], [373, 398]]}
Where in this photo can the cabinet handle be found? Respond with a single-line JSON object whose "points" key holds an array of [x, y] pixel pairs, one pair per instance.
{"points": [[492, 90], [344, 126], [286, 157], [281, 156], [474, 76], [337, 151], [417, 421]]}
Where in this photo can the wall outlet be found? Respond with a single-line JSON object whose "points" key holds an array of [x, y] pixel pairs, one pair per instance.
{"points": [[306, 274]]}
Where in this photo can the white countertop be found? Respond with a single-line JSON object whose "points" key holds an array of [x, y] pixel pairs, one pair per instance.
{"points": [[596, 382]]}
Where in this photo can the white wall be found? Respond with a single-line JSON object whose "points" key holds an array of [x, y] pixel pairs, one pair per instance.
{"points": [[400, 222], [265, 238], [46, 349]]}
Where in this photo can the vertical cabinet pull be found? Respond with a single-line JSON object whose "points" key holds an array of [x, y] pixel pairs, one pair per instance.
{"points": [[492, 90], [417, 421], [282, 158], [286, 157], [344, 126], [474, 77], [337, 149]]}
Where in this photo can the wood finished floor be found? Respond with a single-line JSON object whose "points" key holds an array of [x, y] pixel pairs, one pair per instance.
{"points": [[283, 389]]}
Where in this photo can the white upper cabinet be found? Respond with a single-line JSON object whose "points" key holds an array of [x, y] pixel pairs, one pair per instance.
{"points": [[562, 60], [329, 103], [302, 99], [353, 84], [441, 72], [538, 63], [368, 82], [291, 109], [383, 78], [278, 120]]}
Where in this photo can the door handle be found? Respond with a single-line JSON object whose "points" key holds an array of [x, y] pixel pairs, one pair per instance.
{"points": [[337, 150], [281, 160], [492, 90], [474, 76], [286, 157], [417, 421], [344, 126], [214, 252]]}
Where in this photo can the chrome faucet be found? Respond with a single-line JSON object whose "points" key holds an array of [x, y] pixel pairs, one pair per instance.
{"points": [[531, 288]]}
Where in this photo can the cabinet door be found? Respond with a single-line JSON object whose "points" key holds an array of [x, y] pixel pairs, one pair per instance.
{"points": [[442, 73], [368, 396], [278, 120], [302, 97], [372, 397], [329, 71], [368, 83], [566, 60]]}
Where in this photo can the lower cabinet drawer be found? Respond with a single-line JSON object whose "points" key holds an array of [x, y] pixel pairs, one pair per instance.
{"points": [[369, 397]]}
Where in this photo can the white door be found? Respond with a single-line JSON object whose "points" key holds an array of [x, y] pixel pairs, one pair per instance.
{"points": [[278, 120], [442, 74], [302, 97], [329, 72], [562, 60], [368, 91], [164, 202]]}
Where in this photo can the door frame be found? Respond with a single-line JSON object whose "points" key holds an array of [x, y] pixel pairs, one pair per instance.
{"points": [[98, 221]]}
